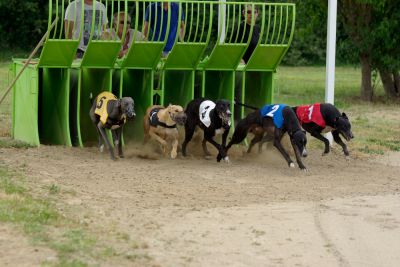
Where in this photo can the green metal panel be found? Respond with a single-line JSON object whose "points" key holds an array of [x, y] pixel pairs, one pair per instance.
{"points": [[58, 53], [101, 54], [178, 87], [92, 81], [219, 85], [144, 55], [137, 84], [225, 57], [25, 105], [184, 56], [259, 88], [266, 57], [54, 107]]}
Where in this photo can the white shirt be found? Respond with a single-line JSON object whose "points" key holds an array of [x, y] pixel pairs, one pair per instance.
{"points": [[74, 12]]}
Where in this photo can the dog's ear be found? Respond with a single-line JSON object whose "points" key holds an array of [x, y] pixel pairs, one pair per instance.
{"points": [[344, 115]]}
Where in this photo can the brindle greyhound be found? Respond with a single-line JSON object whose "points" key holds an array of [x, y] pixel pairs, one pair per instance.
{"points": [[109, 112]]}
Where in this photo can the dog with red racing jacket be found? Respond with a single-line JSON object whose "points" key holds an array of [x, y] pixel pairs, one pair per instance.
{"points": [[322, 118]]}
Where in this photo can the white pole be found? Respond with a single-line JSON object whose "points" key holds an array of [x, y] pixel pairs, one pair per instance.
{"points": [[330, 57], [221, 21], [330, 53]]}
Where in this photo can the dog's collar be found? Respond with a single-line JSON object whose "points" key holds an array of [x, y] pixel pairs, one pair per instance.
{"points": [[163, 124], [154, 121]]}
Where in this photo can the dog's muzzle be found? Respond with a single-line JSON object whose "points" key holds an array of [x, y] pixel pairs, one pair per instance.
{"points": [[130, 114], [304, 153], [348, 135], [226, 117], [179, 118]]}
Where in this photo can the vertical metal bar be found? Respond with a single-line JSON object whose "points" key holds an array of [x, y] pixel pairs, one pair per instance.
{"points": [[273, 30], [191, 22], [61, 20], [55, 28], [262, 25], [204, 22], [238, 25], [286, 24], [197, 22], [221, 21], [293, 24], [280, 25], [50, 17], [233, 23], [269, 23], [186, 18], [82, 19], [244, 28]]}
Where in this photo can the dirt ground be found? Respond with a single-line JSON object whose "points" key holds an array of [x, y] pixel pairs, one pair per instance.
{"points": [[254, 211]]}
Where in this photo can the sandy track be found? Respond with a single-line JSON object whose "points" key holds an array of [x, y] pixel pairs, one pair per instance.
{"points": [[253, 212]]}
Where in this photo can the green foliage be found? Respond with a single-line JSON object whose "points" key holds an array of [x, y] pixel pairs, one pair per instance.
{"points": [[23, 23]]}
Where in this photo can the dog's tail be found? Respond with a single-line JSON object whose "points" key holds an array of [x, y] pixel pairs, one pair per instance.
{"points": [[244, 105], [91, 98]]}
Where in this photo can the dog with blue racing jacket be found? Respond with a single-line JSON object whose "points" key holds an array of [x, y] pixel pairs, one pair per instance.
{"points": [[275, 120]]}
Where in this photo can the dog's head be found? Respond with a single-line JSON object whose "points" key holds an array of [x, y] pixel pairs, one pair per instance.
{"points": [[342, 124], [299, 139], [127, 107], [177, 114], [223, 110]]}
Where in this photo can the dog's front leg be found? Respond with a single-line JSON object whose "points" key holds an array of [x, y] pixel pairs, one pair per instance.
{"points": [[221, 150], [118, 141], [105, 139], [278, 134], [174, 151], [339, 141], [162, 142], [298, 156]]}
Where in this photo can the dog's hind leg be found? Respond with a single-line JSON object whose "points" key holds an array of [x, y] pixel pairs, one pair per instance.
{"points": [[118, 141], [205, 149], [257, 138], [174, 150], [277, 143], [100, 144], [339, 141]]}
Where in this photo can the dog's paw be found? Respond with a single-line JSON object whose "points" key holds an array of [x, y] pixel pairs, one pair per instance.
{"points": [[347, 158], [291, 165], [208, 157], [101, 148], [226, 159], [121, 156], [173, 154]]}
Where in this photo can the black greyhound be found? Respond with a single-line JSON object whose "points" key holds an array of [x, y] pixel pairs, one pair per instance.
{"points": [[108, 112], [212, 118], [322, 118], [264, 118]]}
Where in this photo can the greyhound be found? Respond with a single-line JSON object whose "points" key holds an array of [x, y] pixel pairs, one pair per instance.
{"points": [[212, 118], [160, 123], [275, 120], [109, 112]]}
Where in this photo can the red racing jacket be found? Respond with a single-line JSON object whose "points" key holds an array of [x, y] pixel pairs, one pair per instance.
{"points": [[310, 113]]}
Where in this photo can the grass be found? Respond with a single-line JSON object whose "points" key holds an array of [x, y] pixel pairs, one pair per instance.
{"points": [[39, 219]]}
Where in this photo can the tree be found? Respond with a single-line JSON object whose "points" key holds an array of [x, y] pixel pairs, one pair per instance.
{"points": [[373, 28], [386, 40]]}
